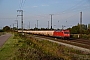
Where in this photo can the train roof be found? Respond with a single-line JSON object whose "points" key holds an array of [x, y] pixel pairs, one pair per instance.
{"points": [[61, 30]]}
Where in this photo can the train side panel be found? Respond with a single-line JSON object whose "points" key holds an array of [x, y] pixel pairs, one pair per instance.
{"points": [[50, 33], [58, 34]]}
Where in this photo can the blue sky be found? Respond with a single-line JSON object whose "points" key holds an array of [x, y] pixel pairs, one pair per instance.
{"points": [[65, 12]]}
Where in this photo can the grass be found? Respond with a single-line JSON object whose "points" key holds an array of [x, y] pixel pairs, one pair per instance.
{"points": [[20, 47], [61, 51], [8, 49], [31, 51]]}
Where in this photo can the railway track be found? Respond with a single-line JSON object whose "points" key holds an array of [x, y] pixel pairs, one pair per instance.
{"points": [[87, 42], [77, 42]]}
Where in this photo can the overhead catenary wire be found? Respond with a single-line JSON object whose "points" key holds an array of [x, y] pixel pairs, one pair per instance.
{"points": [[75, 6], [22, 2], [72, 8]]}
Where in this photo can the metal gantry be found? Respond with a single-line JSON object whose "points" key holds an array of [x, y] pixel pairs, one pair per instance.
{"points": [[48, 24], [17, 24], [37, 24], [29, 25], [51, 22], [21, 18], [80, 24]]}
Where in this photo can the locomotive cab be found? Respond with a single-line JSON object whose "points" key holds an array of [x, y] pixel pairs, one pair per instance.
{"points": [[66, 34]]}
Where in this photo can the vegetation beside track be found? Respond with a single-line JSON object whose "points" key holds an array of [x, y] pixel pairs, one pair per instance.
{"points": [[8, 49], [84, 36], [20, 47], [2, 33]]}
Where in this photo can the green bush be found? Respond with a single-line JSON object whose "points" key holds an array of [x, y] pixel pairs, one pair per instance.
{"points": [[84, 36]]}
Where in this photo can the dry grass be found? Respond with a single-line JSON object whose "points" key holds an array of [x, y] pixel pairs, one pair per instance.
{"points": [[21, 47], [60, 51]]}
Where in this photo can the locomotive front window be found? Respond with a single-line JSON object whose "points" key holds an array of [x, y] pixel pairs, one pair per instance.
{"points": [[66, 32]]}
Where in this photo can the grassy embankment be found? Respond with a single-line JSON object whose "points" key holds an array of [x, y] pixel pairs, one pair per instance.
{"points": [[19, 47], [8, 49]]}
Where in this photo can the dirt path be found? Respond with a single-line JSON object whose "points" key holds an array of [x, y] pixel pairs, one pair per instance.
{"points": [[3, 38]]}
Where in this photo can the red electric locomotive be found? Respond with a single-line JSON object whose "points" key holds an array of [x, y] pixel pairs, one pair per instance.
{"points": [[62, 33]]}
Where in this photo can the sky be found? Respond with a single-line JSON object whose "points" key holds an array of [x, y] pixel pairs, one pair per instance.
{"points": [[64, 12]]}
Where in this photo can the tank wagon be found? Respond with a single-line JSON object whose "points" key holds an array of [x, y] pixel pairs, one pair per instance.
{"points": [[56, 33]]}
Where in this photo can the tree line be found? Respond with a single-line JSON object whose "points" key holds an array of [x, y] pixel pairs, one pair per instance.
{"points": [[73, 30], [76, 29]]}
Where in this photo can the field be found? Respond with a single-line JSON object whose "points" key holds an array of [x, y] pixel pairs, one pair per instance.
{"points": [[20, 47]]}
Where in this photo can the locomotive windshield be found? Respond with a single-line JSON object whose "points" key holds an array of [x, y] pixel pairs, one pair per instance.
{"points": [[66, 32]]}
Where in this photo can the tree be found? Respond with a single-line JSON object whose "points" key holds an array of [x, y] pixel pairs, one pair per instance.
{"points": [[6, 28], [75, 30]]}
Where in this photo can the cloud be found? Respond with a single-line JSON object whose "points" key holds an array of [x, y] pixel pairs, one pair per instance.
{"points": [[44, 5], [39, 6], [34, 6]]}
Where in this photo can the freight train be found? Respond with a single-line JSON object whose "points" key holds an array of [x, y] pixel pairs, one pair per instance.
{"points": [[55, 33]]}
